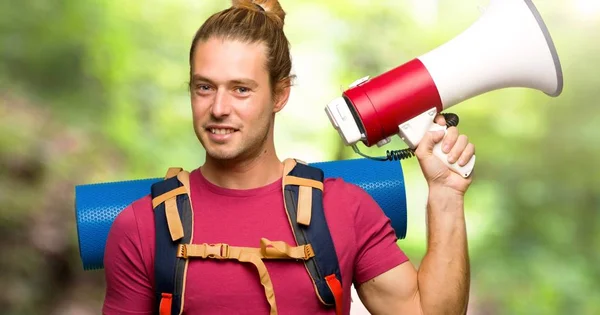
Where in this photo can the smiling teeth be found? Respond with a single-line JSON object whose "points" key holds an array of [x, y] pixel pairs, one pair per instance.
{"points": [[221, 131]]}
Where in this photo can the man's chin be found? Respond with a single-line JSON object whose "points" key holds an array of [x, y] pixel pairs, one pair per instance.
{"points": [[222, 155]]}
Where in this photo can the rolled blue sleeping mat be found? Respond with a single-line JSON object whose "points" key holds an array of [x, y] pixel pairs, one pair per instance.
{"points": [[97, 205]]}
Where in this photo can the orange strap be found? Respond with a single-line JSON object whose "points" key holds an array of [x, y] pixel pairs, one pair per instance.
{"points": [[242, 254], [173, 219], [288, 165], [304, 205], [165, 304], [305, 187], [263, 274], [171, 212], [338, 293], [268, 250], [168, 195], [279, 250], [293, 180], [173, 171]]}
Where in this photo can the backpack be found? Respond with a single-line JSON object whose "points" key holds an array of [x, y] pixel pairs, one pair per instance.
{"points": [[303, 200]]}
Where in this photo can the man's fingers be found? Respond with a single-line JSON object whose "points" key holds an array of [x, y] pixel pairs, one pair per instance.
{"points": [[450, 139], [428, 142], [466, 155], [458, 148]]}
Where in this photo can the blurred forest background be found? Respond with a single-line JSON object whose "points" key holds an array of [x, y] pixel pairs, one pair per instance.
{"points": [[95, 91]]}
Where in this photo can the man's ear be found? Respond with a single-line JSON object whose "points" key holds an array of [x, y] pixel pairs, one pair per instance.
{"points": [[282, 94]]}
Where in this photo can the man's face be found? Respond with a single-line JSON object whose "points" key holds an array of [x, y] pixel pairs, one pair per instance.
{"points": [[232, 103]]}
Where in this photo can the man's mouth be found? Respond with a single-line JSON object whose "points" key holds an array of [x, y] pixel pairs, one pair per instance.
{"points": [[221, 131]]}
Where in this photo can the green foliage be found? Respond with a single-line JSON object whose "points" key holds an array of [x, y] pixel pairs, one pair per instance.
{"points": [[96, 91]]}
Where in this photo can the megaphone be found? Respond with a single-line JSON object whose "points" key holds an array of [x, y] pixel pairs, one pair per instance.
{"points": [[508, 46]]}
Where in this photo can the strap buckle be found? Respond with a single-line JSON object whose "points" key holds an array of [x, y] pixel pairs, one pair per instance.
{"points": [[182, 251], [217, 251], [308, 252]]}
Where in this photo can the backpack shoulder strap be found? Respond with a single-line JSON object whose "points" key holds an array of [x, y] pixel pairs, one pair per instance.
{"points": [[303, 196], [173, 217]]}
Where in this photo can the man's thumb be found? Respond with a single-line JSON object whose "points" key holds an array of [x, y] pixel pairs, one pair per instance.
{"points": [[428, 142]]}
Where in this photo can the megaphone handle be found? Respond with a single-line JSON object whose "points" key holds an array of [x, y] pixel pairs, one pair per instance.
{"points": [[464, 171], [413, 131]]}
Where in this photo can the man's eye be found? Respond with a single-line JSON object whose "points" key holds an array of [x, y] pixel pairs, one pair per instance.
{"points": [[203, 87], [243, 90]]}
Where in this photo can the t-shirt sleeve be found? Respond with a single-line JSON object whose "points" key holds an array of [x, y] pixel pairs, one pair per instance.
{"points": [[378, 251], [128, 287]]}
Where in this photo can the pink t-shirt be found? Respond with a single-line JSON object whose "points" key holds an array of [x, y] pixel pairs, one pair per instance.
{"points": [[364, 240]]}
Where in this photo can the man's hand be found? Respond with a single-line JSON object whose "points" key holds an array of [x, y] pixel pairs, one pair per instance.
{"points": [[459, 150]]}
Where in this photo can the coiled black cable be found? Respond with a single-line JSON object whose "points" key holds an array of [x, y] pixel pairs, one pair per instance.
{"points": [[403, 154], [451, 119]]}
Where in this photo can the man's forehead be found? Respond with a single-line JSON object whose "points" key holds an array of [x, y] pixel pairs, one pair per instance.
{"points": [[217, 50], [217, 59]]}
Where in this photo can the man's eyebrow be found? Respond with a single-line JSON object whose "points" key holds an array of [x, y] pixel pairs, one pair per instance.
{"points": [[197, 77], [242, 81], [248, 82]]}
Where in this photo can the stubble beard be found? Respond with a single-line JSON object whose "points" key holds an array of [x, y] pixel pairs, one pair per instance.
{"points": [[243, 149]]}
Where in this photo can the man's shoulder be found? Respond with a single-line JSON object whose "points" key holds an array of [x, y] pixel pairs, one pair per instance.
{"points": [[144, 202], [135, 214], [348, 199], [141, 205], [341, 196], [337, 187]]}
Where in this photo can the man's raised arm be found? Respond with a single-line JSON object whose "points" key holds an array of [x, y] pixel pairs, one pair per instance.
{"points": [[441, 284]]}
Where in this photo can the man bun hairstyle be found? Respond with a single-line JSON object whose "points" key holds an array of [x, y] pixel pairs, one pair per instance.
{"points": [[272, 8], [252, 22]]}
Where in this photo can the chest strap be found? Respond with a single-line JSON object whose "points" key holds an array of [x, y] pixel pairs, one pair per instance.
{"points": [[255, 256]]}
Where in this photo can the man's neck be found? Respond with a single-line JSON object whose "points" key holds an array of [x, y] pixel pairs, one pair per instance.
{"points": [[260, 170]]}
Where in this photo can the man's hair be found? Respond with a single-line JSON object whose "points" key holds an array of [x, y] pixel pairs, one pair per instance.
{"points": [[252, 22]]}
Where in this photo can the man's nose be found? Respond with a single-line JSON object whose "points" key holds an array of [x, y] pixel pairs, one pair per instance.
{"points": [[221, 106]]}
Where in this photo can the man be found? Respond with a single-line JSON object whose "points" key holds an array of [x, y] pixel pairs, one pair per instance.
{"points": [[239, 80]]}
